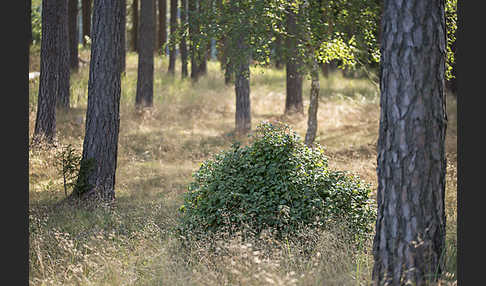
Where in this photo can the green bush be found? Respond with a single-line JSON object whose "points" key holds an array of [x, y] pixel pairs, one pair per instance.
{"points": [[275, 183]]}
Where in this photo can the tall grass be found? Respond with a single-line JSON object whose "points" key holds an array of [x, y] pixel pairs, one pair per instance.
{"points": [[133, 243]]}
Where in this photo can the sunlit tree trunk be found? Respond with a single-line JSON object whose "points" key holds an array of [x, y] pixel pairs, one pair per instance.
{"points": [[313, 106], [410, 229]]}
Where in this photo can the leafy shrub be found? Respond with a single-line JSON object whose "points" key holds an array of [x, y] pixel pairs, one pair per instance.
{"points": [[275, 183]]}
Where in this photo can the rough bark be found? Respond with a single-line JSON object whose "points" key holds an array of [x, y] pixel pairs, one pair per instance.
{"points": [[293, 99], [86, 10], [310, 135], [145, 80], [173, 28], [134, 38], [242, 90], [162, 5], [73, 34], [100, 144], [53, 63], [410, 228], [183, 44], [63, 95]]}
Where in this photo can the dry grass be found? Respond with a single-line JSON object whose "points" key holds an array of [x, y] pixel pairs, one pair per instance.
{"points": [[132, 243]]}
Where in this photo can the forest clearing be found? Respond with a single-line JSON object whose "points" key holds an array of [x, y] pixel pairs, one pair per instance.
{"points": [[132, 243]]}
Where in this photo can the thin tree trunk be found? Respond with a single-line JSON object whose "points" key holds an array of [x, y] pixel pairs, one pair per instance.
{"points": [[173, 28], [183, 44], [410, 227], [86, 9], [162, 26], [193, 31], [73, 34], [123, 35], [145, 80], [313, 106], [134, 45], [293, 100], [242, 90], [100, 146]]}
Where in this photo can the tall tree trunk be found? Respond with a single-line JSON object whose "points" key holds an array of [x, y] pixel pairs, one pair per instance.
{"points": [[313, 105], [293, 100], [123, 35], [410, 228], [173, 28], [73, 34], [86, 9], [100, 144], [145, 80], [49, 86], [135, 28], [193, 31], [278, 52], [242, 90], [162, 26], [183, 45], [63, 57]]}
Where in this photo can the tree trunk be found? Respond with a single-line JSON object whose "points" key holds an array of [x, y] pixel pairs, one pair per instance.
{"points": [[410, 228], [134, 39], [293, 100], [242, 90], [100, 144], [145, 80], [86, 9], [173, 28], [123, 35], [193, 31], [73, 35], [54, 69], [313, 106], [63, 57], [162, 26], [183, 45]]}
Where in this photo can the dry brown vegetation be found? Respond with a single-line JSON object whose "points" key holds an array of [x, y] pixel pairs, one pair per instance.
{"points": [[131, 243]]}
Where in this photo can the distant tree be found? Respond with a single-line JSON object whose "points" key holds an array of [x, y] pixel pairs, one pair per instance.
{"points": [[162, 28], [73, 34], [100, 145], [145, 80], [86, 11], [183, 43], [193, 23], [293, 100], [173, 28], [135, 28], [54, 69], [409, 244]]}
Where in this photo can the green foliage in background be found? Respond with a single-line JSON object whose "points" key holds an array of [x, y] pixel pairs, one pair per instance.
{"points": [[36, 21], [277, 183]]}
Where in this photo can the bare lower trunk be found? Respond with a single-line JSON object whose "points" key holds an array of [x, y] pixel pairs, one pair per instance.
{"points": [[313, 106], [145, 79], [193, 31], [242, 90], [173, 27], [183, 44], [410, 227], [293, 100], [134, 39], [100, 144], [73, 34], [162, 5]]}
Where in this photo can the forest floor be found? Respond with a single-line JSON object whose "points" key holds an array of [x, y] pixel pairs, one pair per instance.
{"points": [[130, 243]]}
